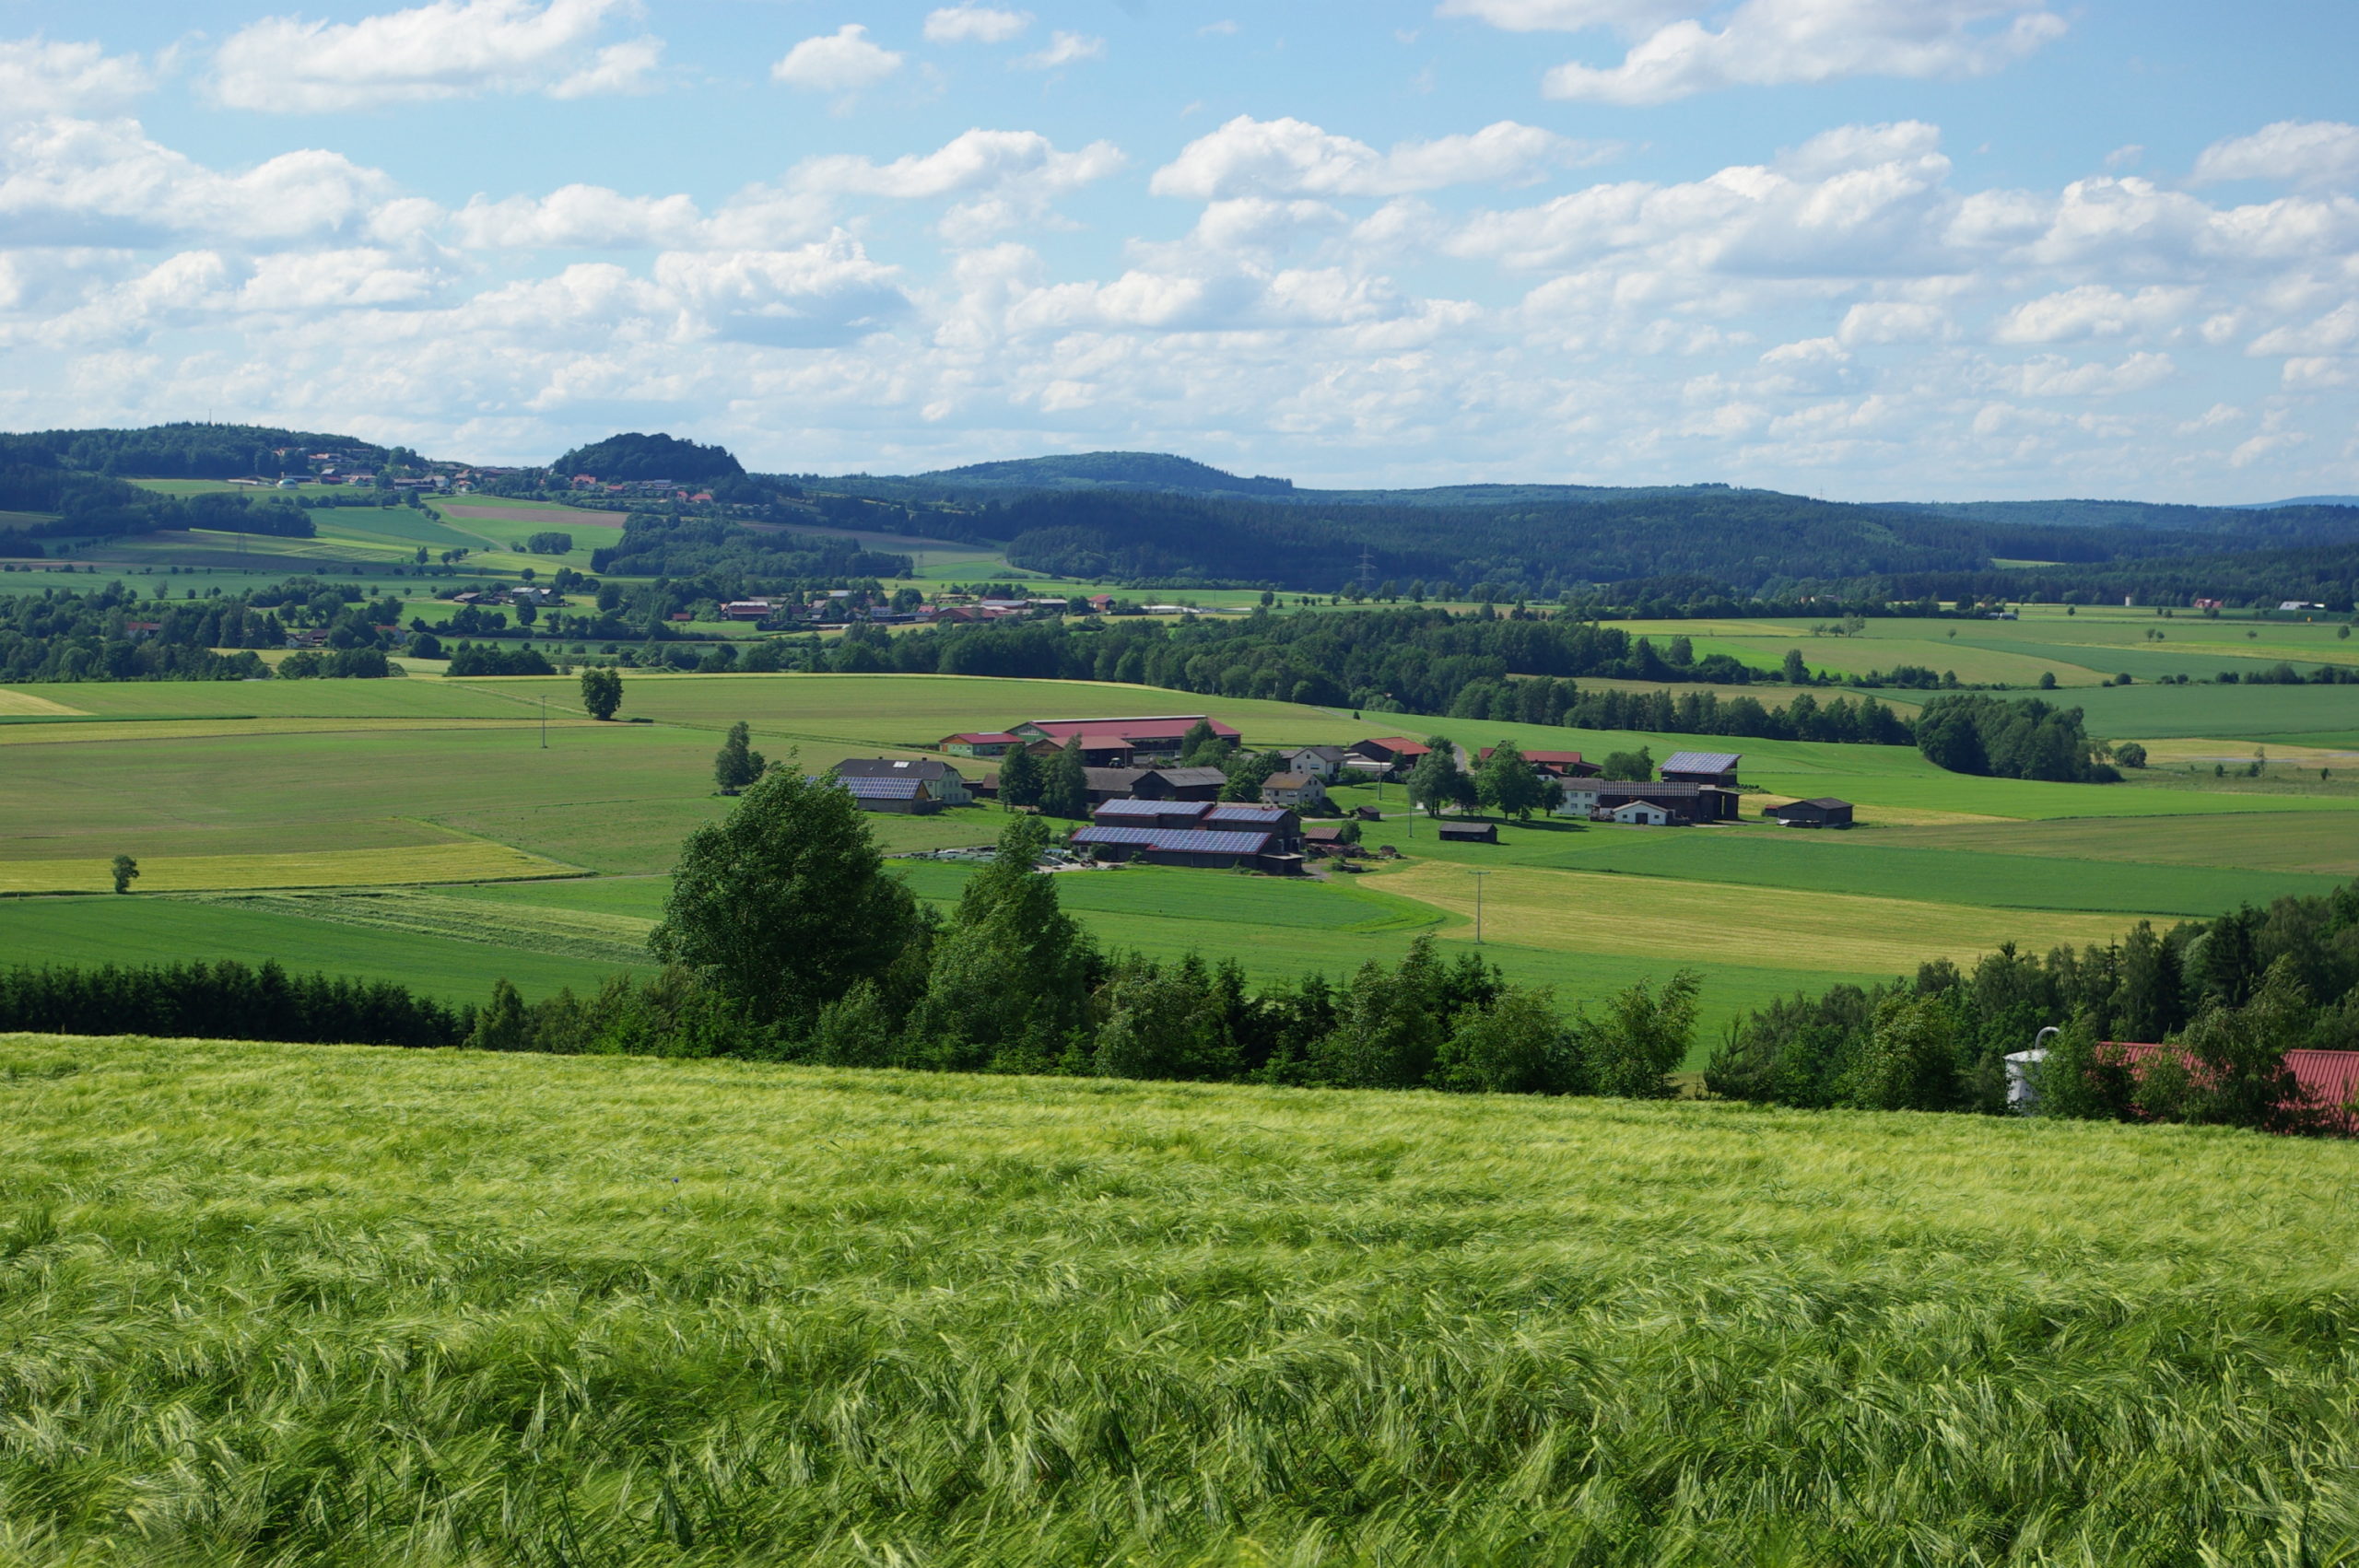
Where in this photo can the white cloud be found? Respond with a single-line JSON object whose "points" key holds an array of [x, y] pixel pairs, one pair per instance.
{"points": [[970, 23], [2335, 331], [1064, 49], [1011, 176], [38, 76], [447, 48], [822, 295], [1770, 42], [2292, 152], [842, 60], [1285, 158], [578, 217], [2092, 311], [1893, 322], [90, 183], [2053, 376]]}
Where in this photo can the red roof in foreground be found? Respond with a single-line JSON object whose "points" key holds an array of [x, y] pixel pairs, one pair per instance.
{"points": [[2328, 1080]]}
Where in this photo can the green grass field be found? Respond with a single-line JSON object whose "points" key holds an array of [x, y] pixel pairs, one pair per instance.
{"points": [[351, 786], [311, 1306]]}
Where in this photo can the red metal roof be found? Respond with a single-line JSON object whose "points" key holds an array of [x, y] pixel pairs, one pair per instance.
{"points": [[1153, 726], [2328, 1080], [995, 738], [1399, 746]]}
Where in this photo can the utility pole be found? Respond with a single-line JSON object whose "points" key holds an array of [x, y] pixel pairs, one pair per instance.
{"points": [[544, 723], [1478, 877]]}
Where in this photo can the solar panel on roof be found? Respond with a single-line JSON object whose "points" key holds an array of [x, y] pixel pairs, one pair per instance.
{"points": [[1176, 839], [880, 788], [1702, 762]]}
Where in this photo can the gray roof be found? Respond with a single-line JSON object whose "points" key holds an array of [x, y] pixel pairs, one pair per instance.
{"points": [[1186, 776], [1188, 839], [894, 767], [1824, 803], [1333, 754], [1702, 762], [880, 789], [1112, 777], [1269, 816], [1190, 810]]}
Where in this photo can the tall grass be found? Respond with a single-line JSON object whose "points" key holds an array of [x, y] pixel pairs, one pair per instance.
{"points": [[298, 1306]]}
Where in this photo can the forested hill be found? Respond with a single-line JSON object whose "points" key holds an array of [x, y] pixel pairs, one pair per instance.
{"points": [[1113, 471], [185, 451], [2322, 520]]}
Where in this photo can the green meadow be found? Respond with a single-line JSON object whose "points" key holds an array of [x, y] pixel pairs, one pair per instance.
{"points": [[246, 798], [314, 1306]]}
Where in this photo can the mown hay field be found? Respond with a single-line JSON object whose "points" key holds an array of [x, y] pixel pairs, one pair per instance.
{"points": [[338, 1305]]}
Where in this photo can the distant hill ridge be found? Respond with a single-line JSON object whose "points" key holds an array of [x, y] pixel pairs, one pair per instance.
{"points": [[1117, 470]]}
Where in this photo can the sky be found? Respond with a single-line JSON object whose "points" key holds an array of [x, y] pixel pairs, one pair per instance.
{"points": [[1858, 249]]}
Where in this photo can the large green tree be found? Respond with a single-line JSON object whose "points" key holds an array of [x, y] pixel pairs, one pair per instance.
{"points": [[784, 904], [1020, 779], [737, 765], [1011, 978], [601, 691], [1436, 780], [1064, 784], [1507, 783]]}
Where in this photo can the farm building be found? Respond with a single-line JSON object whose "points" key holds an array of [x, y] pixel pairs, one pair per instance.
{"points": [[1390, 751], [1277, 821], [1176, 814], [1330, 834], [943, 781], [1293, 789], [1179, 784], [1321, 762], [1591, 798], [1470, 832], [1110, 783], [747, 610], [1096, 751], [1824, 811], [1716, 769], [979, 743], [1645, 813], [2326, 1083], [1184, 847], [1156, 735], [1555, 764], [903, 797]]}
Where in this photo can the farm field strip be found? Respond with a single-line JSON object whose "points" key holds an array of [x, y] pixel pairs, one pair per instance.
{"points": [[1672, 920], [19, 703], [396, 697], [470, 861], [1862, 863], [105, 732], [2321, 842], [597, 938]]}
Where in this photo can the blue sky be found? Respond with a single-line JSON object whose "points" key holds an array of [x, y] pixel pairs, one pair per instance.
{"points": [[1854, 248]]}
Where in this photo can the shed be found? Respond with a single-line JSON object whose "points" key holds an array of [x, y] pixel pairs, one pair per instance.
{"points": [[1702, 768], [1179, 784], [1824, 811], [1644, 814], [1110, 783], [1469, 832]]}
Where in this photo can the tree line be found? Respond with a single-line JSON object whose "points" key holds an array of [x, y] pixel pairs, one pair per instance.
{"points": [[2234, 994], [65, 634]]}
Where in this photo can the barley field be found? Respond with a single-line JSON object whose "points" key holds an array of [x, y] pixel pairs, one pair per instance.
{"points": [[351, 1306]]}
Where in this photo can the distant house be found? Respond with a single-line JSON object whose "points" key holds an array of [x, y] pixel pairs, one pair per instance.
{"points": [[1469, 832], [1156, 735], [142, 629], [1179, 784], [1100, 602], [1824, 811], [942, 780], [905, 797], [2211, 604], [1327, 832], [1321, 762], [747, 610], [1717, 769], [1644, 814], [2299, 604], [1293, 789], [1555, 764], [979, 743]]}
